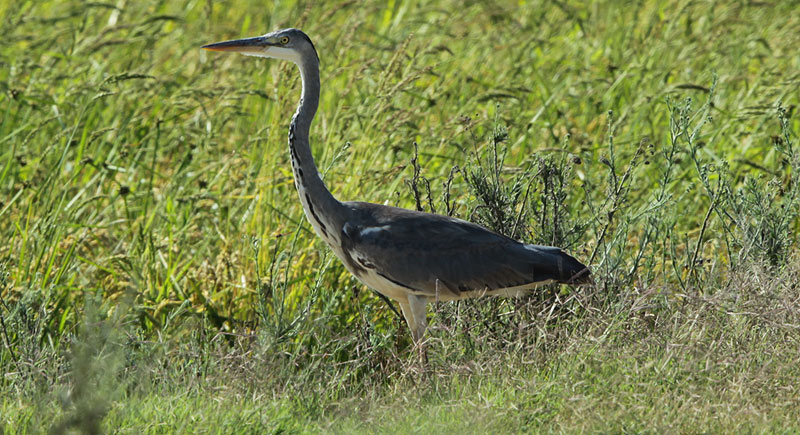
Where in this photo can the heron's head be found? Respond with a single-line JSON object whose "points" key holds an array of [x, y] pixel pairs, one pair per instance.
{"points": [[287, 44]]}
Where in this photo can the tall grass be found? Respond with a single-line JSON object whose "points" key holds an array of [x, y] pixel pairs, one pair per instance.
{"points": [[152, 248]]}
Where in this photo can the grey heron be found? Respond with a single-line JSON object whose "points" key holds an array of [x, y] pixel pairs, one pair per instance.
{"points": [[411, 257]]}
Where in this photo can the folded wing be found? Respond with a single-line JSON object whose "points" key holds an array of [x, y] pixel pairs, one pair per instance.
{"points": [[430, 253]]}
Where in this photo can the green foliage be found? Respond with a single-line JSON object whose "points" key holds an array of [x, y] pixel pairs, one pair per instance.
{"points": [[155, 264]]}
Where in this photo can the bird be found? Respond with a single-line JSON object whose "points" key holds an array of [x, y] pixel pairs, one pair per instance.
{"points": [[411, 257]]}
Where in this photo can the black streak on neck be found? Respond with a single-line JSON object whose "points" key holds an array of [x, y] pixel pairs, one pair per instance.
{"points": [[315, 217], [301, 179], [291, 143]]}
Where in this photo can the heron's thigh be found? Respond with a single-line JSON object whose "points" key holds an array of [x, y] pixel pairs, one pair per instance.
{"points": [[407, 313], [415, 313], [419, 309]]}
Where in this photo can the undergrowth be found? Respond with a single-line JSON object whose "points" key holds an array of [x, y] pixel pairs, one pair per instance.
{"points": [[157, 273]]}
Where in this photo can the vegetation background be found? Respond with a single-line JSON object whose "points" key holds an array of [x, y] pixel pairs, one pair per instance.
{"points": [[157, 273]]}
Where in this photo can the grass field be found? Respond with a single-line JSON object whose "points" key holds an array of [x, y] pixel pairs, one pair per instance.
{"points": [[157, 273]]}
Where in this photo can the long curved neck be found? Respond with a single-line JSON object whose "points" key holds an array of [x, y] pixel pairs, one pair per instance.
{"points": [[325, 213]]}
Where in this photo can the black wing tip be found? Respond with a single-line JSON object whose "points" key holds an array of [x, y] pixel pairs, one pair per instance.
{"points": [[560, 266], [577, 273]]}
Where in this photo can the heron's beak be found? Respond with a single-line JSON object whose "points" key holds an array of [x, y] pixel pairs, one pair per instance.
{"points": [[252, 46]]}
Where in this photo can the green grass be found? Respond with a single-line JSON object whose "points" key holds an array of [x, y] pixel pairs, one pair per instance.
{"points": [[157, 273]]}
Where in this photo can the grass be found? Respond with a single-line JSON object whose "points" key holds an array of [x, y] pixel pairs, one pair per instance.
{"points": [[157, 273]]}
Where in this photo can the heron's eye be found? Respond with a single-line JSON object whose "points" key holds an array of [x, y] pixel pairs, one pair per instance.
{"points": [[285, 40]]}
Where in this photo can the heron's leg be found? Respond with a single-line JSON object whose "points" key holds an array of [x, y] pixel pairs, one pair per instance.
{"points": [[409, 316], [418, 306], [415, 313]]}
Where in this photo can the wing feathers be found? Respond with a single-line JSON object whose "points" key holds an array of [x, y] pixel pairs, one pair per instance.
{"points": [[428, 253]]}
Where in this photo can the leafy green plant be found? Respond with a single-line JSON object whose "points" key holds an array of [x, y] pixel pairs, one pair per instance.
{"points": [[132, 163]]}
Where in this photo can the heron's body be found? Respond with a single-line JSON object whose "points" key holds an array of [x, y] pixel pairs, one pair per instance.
{"points": [[411, 257]]}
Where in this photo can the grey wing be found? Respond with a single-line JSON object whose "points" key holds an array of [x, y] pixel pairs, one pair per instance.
{"points": [[429, 253]]}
